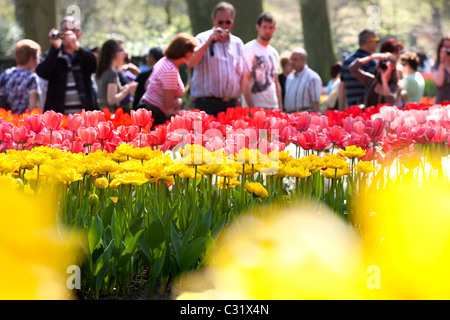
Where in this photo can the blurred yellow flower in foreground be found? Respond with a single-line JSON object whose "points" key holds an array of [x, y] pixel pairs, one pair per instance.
{"points": [[410, 237], [34, 255], [290, 254]]}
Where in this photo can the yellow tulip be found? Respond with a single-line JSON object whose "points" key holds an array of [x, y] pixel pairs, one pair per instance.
{"points": [[231, 183], [353, 152], [290, 254], [35, 253], [333, 174], [364, 167], [101, 183], [256, 189]]}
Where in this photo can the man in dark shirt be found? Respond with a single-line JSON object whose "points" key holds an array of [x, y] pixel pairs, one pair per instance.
{"points": [[351, 91], [68, 69]]}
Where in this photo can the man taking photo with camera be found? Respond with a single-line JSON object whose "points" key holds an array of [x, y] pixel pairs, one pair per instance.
{"points": [[218, 64], [68, 68]]}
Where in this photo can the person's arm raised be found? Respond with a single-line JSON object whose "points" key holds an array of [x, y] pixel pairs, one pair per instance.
{"points": [[200, 51]]}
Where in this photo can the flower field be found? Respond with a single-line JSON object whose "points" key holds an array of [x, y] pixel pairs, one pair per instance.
{"points": [[137, 199]]}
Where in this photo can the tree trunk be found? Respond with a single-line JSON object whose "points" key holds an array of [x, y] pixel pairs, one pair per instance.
{"points": [[37, 18], [244, 25], [317, 37], [200, 14], [247, 13]]}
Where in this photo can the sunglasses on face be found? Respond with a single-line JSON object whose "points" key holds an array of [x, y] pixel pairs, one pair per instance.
{"points": [[374, 39], [221, 22]]}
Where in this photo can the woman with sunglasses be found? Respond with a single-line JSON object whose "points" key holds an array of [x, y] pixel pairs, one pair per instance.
{"points": [[441, 70], [383, 86], [110, 91]]}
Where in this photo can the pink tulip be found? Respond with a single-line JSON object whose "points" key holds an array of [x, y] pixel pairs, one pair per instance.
{"points": [[5, 131], [389, 113], [34, 123], [20, 134], [75, 121], [303, 121], [141, 117], [320, 121], [52, 120], [337, 135], [214, 144], [440, 135], [92, 118], [179, 122], [420, 116], [240, 124], [322, 142], [374, 127], [423, 135], [357, 140], [87, 135], [127, 133], [260, 120], [104, 130]]}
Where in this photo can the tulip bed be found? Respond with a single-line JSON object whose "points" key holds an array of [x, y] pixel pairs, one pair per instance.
{"points": [[157, 199]]}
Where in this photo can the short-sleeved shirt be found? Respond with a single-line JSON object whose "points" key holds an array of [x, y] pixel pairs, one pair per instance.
{"points": [[16, 85], [354, 89], [302, 89], [109, 76], [414, 84], [165, 76], [220, 70], [263, 63]]}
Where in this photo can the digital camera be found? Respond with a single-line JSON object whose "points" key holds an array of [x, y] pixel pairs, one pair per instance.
{"points": [[57, 35], [223, 31], [383, 65]]}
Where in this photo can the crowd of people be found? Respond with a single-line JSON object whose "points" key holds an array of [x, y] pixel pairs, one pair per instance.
{"points": [[225, 73]]}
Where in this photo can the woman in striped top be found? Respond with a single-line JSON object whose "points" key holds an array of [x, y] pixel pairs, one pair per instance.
{"points": [[163, 94]]}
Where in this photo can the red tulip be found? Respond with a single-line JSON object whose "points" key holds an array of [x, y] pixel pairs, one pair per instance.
{"points": [[307, 139], [52, 120], [87, 135], [34, 123], [141, 117]]}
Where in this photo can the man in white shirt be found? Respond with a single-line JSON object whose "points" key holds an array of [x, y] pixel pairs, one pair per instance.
{"points": [[218, 64], [303, 86], [260, 86]]}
